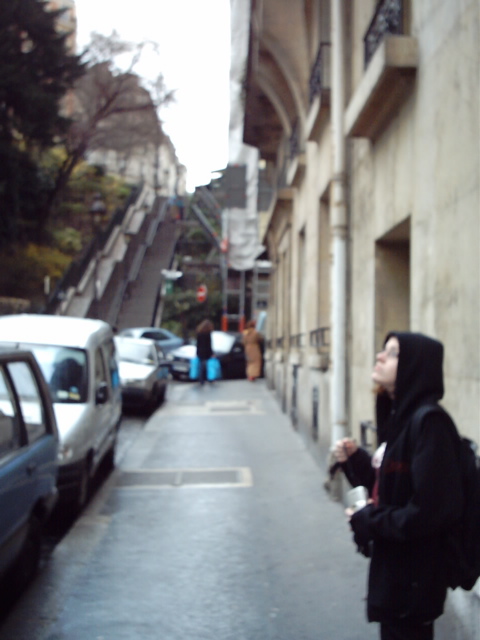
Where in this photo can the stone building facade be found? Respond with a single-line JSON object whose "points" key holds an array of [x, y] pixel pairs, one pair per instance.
{"points": [[153, 164], [366, 115]]}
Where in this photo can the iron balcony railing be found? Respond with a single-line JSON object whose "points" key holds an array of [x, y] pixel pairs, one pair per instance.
{"points": [[388, 18], [294, 141], [291, 148], [320, 338], [320, 74], [296, 341], [282, 176]]}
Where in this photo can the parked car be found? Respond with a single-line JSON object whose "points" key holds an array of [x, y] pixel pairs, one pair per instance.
{"points": [[227, 347], [166, 340], [77, 358], [143, 372], [28, 464]]}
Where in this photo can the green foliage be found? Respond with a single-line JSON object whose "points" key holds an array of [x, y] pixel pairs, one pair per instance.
{"points": [[48, 261], [197, 234], [24, 266], [182, 311], [36, 71], [68, 240], [24, 269], [175, 326], [73, 210], [21, 194], [14, 305]]}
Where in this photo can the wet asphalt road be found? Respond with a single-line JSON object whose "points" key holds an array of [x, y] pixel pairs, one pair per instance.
{"points": [[214, 526]]}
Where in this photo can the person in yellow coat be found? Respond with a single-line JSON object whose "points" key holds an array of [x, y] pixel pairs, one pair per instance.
{"points": [[252, 341]]}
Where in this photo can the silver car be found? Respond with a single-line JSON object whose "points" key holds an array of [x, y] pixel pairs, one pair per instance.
{"points": [[143, 372], [166, 340]]}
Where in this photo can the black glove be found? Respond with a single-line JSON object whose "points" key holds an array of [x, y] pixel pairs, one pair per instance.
{"points": [[360, 523]]}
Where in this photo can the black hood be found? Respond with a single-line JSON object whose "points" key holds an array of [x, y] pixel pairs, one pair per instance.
{"points": [[419, 376]]}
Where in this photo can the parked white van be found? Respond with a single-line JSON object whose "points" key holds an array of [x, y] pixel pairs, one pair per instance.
{"points": [[77, 359]]}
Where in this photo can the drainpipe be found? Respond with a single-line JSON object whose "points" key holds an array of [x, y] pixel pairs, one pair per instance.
{"points": [[338, 226]]}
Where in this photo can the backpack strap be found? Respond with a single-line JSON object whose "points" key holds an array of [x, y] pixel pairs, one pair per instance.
{"points": [[418, 417]]}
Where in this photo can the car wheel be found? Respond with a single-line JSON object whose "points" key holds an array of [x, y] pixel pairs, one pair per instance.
{"points": [[26, 566], [161, 394], [152, 403], [84, 486], [109, 460]]}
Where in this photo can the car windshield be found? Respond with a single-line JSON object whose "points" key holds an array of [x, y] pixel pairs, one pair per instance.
{"points": [[134, 352], [64, 369]]}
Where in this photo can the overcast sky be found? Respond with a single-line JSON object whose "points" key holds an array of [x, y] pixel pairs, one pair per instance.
{"points": [[193, 37]]}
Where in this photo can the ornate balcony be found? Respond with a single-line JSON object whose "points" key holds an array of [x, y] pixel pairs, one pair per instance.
{"points": [[296, 341], [388, 19], [319, 92], [292, 170], [294, 141], [391, 60], [385, 86], [320, 340], [320, 75]]}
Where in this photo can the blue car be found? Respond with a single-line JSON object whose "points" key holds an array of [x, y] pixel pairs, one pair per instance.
{"points": [[28, 465]]}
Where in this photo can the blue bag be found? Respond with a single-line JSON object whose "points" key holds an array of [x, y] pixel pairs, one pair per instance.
{"points": [[194, 372], [214, 370]]}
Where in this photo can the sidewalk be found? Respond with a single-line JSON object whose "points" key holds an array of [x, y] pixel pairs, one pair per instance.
{"points": [[215, 526]]}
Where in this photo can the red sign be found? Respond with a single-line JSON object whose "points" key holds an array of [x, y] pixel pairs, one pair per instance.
{"points": [[202, 293]]}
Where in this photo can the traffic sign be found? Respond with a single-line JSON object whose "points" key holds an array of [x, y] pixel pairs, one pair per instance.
{"points": [[201, 293]]}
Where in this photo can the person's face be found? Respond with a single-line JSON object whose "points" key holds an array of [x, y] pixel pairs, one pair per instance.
{"points": [[385, 370]]}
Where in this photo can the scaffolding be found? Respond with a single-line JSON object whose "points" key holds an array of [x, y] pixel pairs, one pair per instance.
{"points": [[237, 284], [260, 286]]}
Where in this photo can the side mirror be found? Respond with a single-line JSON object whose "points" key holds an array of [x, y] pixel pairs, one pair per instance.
{"points": [[101, 393]]}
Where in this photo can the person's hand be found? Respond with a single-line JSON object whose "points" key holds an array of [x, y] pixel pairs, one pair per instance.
{"points": [[349, 511], [344, 448]]}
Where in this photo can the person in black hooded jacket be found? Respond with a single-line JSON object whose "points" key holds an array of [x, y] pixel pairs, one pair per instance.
{"points": [[415, 489], [204, 347]]}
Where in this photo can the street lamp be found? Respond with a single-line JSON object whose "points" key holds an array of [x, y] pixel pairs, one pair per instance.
{"points": [[97, 212]]}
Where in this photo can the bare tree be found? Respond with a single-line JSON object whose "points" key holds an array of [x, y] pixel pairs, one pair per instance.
{"points": [[110, 107]]}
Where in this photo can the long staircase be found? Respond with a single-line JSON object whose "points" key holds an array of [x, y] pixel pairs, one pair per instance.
{"points": [[142, 296], [119, 278]]}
